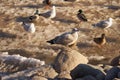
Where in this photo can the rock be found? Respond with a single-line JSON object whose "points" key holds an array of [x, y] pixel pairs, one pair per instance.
{"points": [[112, 73], [115, 61], [83, 70], [87, 78], [116, 79], [67, 59], [38, 78], [119, 75], [45, 71], [64, 75], [107, 68]]}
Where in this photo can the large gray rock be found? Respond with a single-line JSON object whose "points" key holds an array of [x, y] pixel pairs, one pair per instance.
{"points": [[115, 61], [68, 59], [83, 70], [119, 75], [112, 73], [88, 77]]}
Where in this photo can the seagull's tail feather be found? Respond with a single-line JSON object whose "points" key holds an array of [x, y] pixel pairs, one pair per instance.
{"points": [[23, 23], [85, 20], [51, 41], [94, 25]]}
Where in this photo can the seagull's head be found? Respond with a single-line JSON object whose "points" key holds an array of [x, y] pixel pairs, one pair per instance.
{"points": [[75, 30], [53, 7], [80, 11], [110, 19]]}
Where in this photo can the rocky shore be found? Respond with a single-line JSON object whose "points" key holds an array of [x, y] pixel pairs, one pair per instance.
{"points": [[35, 59]]}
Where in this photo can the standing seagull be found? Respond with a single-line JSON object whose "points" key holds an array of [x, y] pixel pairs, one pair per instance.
{"points": [[100, 40], [29, 27], [67, 39], [104, 24], [47, 3], [50, 14], [81, 16]]}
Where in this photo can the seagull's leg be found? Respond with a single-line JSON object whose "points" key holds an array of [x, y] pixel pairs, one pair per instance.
{"points": [[79, 23], [105, 30], [99, 46], [29, 37]]}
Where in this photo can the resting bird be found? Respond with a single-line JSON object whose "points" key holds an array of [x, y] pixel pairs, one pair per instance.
{"points": [[100, 40], [29, 27], [47, 3], [104, 24], [81, 16], [50, 14], [34, 17], [67, 39]]}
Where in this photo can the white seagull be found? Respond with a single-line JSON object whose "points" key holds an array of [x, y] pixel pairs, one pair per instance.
{"points": [[105, 24], [67, 39], [29, 27], [50, 14]]}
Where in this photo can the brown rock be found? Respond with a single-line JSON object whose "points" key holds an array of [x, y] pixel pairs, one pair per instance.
{"points": [[38, 78], [47, 71], [64, 75], [67, 59]]}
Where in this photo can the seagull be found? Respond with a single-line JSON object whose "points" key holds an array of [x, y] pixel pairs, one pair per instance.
{"points": [[81, 16], [104, 24], [47, 3], [100, 41], [68, 39], [29, 27], [35, 16], [50, 14]]}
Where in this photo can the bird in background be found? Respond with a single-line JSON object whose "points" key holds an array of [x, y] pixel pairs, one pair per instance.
{"points": [[49, 14], [68, 38], [81, 16], [47, 4], [100, 41], [104, 24], [30, 28], [35, 16]]}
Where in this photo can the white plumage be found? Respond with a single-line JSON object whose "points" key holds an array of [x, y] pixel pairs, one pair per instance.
{"points": [[53, 12], [49, 14], [105, 24], [29, 27]]}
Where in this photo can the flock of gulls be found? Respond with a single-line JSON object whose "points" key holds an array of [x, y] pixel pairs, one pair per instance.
{"points": [[67, 38]]}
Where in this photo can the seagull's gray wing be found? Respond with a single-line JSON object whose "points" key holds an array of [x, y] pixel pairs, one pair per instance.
{"points": [[65, 39], [102, 24], [46, 15], [26, 27]]}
